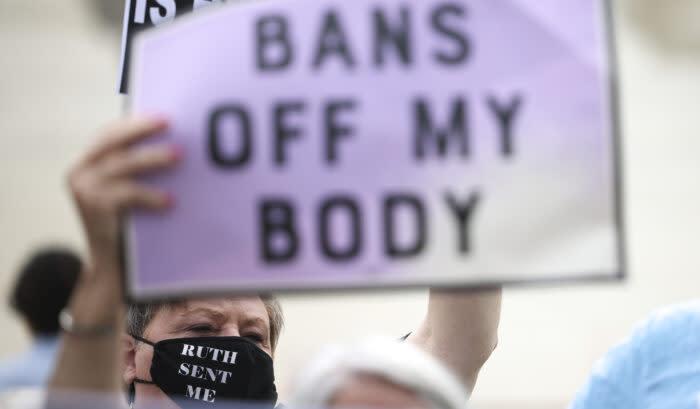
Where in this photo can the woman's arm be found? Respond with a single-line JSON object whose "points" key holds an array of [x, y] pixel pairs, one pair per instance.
{"points": [[461, 329], [103, 189]]}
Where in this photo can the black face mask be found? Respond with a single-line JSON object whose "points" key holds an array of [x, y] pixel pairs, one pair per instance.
{"points": [[211, 371]]}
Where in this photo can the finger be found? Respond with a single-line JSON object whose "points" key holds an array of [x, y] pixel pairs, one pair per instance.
{"points": [[130, 195], [125, 132], [140, 160]]}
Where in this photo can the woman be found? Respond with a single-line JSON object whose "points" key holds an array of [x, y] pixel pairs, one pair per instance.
{"points": [[460, 328]]}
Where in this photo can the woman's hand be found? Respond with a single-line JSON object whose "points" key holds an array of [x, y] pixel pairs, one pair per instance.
{"points": [[103, 188]]}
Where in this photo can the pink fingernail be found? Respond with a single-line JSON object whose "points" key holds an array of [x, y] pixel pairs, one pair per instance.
{"points": [[176, 152], [169, 200], [160, 120]]}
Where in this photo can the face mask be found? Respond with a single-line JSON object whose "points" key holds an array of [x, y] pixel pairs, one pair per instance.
{"points": [[205, 371]]}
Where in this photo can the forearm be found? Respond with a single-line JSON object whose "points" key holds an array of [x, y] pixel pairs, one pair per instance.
{"points": [[103, 187], [92, 362], [461, 329]]}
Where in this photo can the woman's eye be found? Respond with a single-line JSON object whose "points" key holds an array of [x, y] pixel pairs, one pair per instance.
{"points": [[201, 328], [257, 338]]}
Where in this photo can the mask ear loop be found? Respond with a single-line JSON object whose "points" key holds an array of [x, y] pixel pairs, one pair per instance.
{"points": [[132, 395], [144, 340], [132, 388]]}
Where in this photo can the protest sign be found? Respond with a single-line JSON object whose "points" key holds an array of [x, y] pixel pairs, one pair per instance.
{"points": [[143, 14], [383, 143]]}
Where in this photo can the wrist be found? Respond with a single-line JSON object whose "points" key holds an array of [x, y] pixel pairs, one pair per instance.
{"points": [[102, 271], [98, 297], [71, 326], [105, 257]]}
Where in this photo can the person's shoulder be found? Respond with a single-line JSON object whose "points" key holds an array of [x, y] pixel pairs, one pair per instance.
{"points": [[12, 372], [614, 379], [23, 398], [683, 317], [671, 343], [661, 346], [663, 327], [675, 327], [30, 368]]}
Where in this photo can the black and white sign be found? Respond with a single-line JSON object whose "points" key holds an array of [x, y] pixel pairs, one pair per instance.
{"points": [[143, 14]]}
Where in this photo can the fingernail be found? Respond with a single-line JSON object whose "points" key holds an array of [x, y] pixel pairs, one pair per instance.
{"points": [[168, 200], [176, 152], [160, 120]]}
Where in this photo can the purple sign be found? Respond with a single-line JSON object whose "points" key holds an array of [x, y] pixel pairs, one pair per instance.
{"points": [[141, 15], [382, 143]]}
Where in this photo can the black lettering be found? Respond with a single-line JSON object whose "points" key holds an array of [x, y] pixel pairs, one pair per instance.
{"points": [[234, 113], [399, 38], [332, 41], [274, 50], [438, 21], [334, 130], [277, 224], [391, 247], [426, 132], [349, 207], [506, 115], [283, 131], [463, 212]]}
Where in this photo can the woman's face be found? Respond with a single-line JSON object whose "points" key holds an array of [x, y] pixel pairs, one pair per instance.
{"points": [[244, 317]]}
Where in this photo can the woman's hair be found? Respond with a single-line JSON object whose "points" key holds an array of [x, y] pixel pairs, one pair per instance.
{"points": [[140, 315], [400, 363], [44, 286]]}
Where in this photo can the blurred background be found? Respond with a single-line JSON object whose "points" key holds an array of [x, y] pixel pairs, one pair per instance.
{"points": [[58, 73]]}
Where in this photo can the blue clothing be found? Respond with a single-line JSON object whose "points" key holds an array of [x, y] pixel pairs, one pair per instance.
{"points": [[657, 366], [32, 368]]}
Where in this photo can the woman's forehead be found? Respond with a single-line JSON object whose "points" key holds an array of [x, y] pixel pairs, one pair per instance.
{"points": [[219, 308]]}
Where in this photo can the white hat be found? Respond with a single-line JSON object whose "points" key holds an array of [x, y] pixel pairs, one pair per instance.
{"points": [[400, 363]]}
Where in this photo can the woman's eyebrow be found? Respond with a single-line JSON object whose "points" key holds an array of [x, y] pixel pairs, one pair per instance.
{"points": [[213, 314]]}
